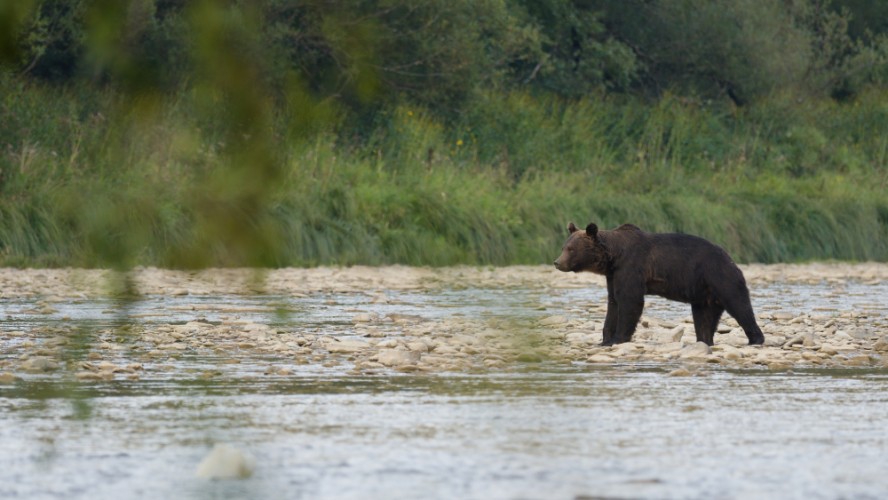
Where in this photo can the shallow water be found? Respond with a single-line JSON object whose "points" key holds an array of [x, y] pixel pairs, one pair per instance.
{"points": [[549, 433], [324, 313], [530, 431]]}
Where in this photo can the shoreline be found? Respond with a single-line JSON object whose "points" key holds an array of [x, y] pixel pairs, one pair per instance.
{"points": [[392, 341]]}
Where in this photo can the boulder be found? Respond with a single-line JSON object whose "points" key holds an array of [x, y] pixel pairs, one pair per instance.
{"points": [[337, 346], [226, 462], [397, 357], [696, 350]]}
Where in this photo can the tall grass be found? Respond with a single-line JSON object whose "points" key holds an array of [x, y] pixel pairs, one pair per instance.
{"points": [[89, 179]]}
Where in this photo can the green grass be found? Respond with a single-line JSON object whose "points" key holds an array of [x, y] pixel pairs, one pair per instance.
{"points": [[90, 178]]}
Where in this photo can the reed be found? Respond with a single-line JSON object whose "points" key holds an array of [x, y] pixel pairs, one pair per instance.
{"points": [[89, 179]]}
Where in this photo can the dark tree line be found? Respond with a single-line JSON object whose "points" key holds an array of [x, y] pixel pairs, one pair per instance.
{"points": [[361, 54]]}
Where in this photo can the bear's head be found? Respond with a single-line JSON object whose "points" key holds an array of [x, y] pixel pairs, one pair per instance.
{"points": [[583, 251]]}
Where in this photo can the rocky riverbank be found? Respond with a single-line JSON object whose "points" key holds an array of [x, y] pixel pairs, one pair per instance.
{"points": [[853, 333]]}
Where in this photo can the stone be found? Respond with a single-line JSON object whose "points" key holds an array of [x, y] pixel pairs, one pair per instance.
{"points": [[696, 350], [811, 356], [578, 337], [226, 462], [676, 333], [553, 320], [529, 357], [859, 333], [39, 364], [445, 350], [668, 348], [881, 345], [829, 349], [729, 352], [626, 348], [600, 358], [397, 357], [460, 339], [795, 340], [8, 378], [810, 340], [859, 360], [362, 318], [337, 346], [680, 372], [779, 365]]}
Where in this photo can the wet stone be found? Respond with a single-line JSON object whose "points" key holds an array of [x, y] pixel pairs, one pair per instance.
{"points": [[600, 358], [396, 357], [39, 365], [680, 372], [696, 350], [796, 334], [345, 346], [226, 462], [553, 320]]}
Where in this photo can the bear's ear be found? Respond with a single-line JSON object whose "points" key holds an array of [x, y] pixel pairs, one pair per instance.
{"points": [[592, 229], [571, 228]]}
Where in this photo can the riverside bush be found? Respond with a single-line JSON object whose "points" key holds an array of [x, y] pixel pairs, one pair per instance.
{"points": [[283, 133]]}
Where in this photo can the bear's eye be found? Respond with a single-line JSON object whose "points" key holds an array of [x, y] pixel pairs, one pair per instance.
{"points": [[570, 250]]}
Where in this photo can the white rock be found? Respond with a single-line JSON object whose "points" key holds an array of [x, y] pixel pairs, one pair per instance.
{"points": [[810, 340], [600, 358], [578, 337], [387, 344], [444, 349], [667, 348], [842, 335], [676, 333], [461, 339], [226, 462], [728, 352], [418, 346], [363, 318], [626, 348], [396, 357], [680, 372], [553, 320], [829, 349], [859, 333], [39, 364], [797, 339], [345, 346], [696, 350]]}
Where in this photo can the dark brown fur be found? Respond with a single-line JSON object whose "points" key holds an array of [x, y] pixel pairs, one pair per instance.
{"points": [[675, 266]]}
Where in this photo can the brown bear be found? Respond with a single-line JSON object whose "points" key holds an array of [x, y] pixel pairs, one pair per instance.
{"points": [[678, 267]]}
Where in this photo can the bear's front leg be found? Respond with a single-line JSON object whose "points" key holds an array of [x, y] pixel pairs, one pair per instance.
{"points": [[628, 314]]}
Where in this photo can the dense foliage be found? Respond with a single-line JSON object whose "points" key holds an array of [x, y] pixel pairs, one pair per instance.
{"points": [[302, 132]]}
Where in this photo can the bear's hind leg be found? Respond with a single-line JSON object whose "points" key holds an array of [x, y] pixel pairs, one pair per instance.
{"points": [[746, 319], [706, 318], [735, 297], [740, 308]]}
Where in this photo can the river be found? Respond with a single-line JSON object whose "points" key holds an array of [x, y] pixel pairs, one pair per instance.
{"points": [[321, 423]]}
